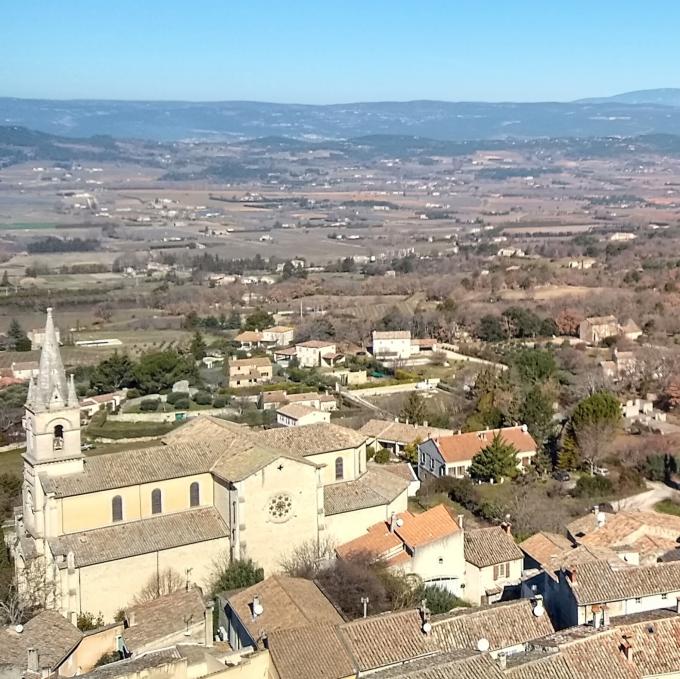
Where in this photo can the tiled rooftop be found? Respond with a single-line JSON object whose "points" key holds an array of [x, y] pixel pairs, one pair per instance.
{"points": [[489, 546]]}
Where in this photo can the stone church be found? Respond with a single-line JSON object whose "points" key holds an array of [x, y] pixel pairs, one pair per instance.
{"points": [[98, 528]]}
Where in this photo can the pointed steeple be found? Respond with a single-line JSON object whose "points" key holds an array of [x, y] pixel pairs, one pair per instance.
{"points": [[51, 387]]}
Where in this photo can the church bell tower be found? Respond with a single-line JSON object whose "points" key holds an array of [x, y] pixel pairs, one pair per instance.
{"points": [[52, 413]]}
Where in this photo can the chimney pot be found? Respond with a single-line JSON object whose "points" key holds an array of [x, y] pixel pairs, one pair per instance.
{"points": [[460, 523], [502, 660], [393, 521], [507, 527]]}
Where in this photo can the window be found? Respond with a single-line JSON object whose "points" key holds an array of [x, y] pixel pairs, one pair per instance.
{"points": [[339, 471], [638, 600], [501, 570], [664, 596], [117, 508], [431, 465], [422, 458], [58, 442], [156, 501], [194, 494], [442, 470]]}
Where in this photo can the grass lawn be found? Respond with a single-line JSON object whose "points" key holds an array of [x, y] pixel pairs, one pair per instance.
{"points": [[11, 462], [668, 507]]}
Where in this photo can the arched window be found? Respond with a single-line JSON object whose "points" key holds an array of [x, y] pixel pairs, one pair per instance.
{"points": [[156, 501], [117, 508], [58, 441], [194, 494], [339, 469]]}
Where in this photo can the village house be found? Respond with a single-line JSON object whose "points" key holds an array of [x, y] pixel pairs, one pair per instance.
{"points": [[317, 353], [97, 528], [278, 336], [272, 400], [246, 372], [284, 356], [493, 564], [622, 364], [298, 415], [277, 603], [395, 435], [248, 340], [408, 643], [452, 455], [595, 329], [24, 370], [93, 404], [429, 545], [37, 337], [391, 345]]}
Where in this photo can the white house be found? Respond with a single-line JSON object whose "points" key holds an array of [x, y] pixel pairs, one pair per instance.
{"points": [[392, 345], [452, 455], [24, 370], [295, 415], [311, 354], [278, 336]]}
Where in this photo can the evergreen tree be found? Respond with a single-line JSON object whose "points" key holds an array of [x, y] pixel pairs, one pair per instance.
{"points": [[18, 339], [198, 346], [4, 283], [114, 372], [413, 409], [536, 412], [496, 461]]}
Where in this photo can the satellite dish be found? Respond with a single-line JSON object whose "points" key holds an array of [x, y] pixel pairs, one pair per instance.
{"points": [[400, 522], [19, 629], [539, 610], [427, 628], [483, 645], [258, 609]]}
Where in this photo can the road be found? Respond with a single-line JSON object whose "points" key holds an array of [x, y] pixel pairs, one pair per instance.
{"points": [[645, 501]]}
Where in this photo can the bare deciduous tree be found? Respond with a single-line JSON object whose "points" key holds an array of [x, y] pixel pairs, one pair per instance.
{"points": [[308, 558], [165, 582], [29, 592]]}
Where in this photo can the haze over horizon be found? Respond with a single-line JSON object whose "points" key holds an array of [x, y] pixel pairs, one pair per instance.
{"points": [[307, 53]]}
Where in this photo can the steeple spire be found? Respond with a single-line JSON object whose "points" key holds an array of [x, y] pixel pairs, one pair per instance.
{"points": [[51, 389]]}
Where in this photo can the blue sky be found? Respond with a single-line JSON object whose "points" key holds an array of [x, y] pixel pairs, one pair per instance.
{"points": [[332, 51]]}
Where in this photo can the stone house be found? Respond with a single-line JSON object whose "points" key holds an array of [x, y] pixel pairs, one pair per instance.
{"points": [[246, 372], [392, 345], [595, 329], [298, 415], [493, 564]]}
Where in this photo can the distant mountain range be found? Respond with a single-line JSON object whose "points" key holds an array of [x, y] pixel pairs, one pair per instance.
{"points": [[629, 114]]}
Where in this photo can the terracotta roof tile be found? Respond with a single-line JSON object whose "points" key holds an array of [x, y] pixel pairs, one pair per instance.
{"points": [[376, 487], [489, 546], [421, 529], [123, 540], [288, 603], [543, 546], [401, 432], [463, 447], [313, 439]]}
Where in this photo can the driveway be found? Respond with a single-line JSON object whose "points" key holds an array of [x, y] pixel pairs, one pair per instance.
{"points": [[645, 501]]}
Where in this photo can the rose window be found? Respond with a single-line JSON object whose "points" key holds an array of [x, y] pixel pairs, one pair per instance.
{"points": [[280, 506]]}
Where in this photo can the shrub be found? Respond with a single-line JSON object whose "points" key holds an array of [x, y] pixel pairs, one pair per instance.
{"points": [[593, 486], [133, 393], [219, 402], [203, 398], [182, 404], [382, 456], [237, 574], [149, 405], [175, 396], [440, 600], [89, 621]]}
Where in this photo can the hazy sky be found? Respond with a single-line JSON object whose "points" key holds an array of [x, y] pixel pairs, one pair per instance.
{"points": [[328, 51]]}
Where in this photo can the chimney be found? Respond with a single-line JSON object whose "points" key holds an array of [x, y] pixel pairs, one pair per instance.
{"points": [[424, 423], [460, 431], [425, 615], [502, 661], [677, 605], [571, 573], [131, 618], [460, 521], [507, 527], [32, 660], [605, 615], [627, 648], [393, 522], [209, 624]]}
